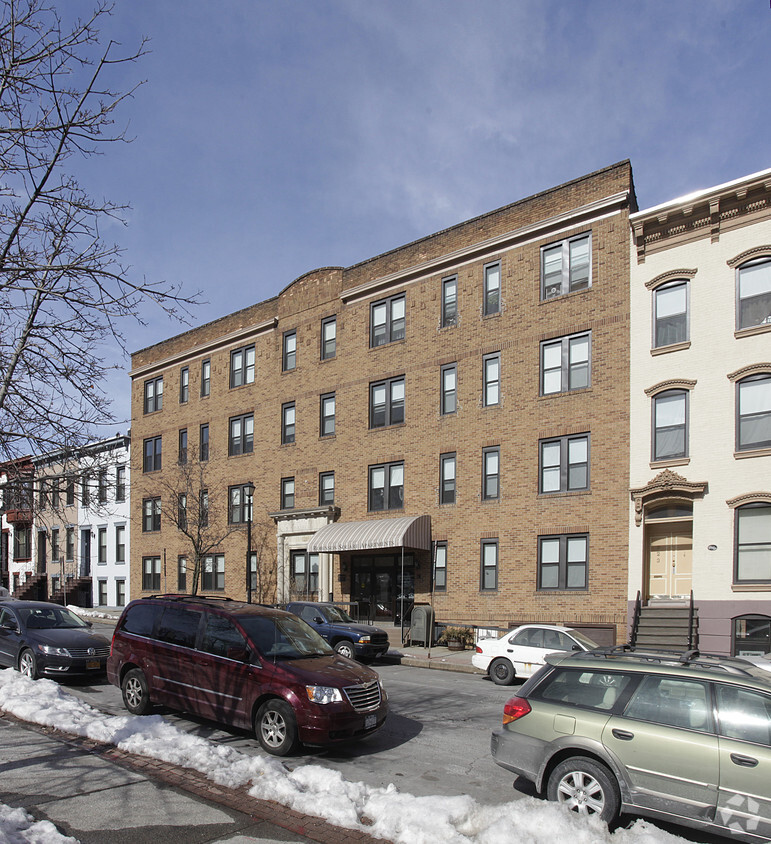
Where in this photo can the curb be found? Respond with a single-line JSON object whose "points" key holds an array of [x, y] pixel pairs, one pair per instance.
{"points": [[194, 782]]}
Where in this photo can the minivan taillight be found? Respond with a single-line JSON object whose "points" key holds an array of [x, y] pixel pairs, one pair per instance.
{"points": [[515, 708]]}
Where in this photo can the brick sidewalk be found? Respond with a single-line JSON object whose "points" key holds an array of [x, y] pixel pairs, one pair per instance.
{"points": [[193, 782]]}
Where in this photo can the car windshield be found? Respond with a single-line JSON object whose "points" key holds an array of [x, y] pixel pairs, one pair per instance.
{"points": [[588, 643], [284, 637], [336, 614], [50, 618]]}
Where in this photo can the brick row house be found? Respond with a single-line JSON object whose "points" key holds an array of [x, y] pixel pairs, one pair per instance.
{"points": [[700, 438], [447, 422]]}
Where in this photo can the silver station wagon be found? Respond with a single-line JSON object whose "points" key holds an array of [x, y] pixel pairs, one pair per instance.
{"points": [[684, 738]]}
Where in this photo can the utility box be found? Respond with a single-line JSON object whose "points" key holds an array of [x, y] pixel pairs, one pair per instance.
{"points": [[422, 626]]}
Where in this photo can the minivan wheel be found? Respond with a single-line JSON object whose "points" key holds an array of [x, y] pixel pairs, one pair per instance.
{"points": [[136, 695], [585, 787], [28, 664], [502, 672], [276, 727], [345, 648]]}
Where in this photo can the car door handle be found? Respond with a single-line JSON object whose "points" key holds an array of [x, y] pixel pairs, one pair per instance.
{"points": [[622, 735], [743, 761]]}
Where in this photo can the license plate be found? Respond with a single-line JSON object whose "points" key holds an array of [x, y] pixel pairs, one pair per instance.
{"points": [[370, 721], [92, 663]]}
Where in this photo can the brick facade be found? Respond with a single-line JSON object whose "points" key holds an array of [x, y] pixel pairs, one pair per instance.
{"points": [[513, 236]]}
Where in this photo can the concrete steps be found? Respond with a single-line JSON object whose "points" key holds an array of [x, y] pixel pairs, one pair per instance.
{"points": [[667, 627]]}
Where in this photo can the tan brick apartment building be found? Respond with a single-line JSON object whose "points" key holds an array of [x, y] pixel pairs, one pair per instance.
{"points": [[465, 397]]}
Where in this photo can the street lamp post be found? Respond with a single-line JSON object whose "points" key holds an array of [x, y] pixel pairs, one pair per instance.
{"points": [[249, 489]]}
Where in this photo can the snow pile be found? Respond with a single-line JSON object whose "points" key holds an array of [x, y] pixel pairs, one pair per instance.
{"points": [[88, 613], [313, 789], [17, 827]]}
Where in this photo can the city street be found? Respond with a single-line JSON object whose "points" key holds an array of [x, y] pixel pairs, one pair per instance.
{"points": [[436, 740]]}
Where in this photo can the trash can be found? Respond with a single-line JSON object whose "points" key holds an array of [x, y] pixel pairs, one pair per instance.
{"points": [[422, 625]]}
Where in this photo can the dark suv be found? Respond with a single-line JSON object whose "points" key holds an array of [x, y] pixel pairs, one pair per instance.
{"points": [[347, 637], [678, 737], [244, 665]]}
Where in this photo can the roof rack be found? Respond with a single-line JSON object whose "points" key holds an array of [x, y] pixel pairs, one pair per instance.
{"points": [[729, 664], [172, 596]]}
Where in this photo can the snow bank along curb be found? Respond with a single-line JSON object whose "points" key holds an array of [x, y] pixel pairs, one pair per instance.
{"points": [[312, 789]]}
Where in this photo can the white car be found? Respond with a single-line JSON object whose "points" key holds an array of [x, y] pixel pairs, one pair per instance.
{"points": [[522, 651]]}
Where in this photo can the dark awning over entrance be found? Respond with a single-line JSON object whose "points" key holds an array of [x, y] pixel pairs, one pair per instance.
{"points": [[405, 532]]}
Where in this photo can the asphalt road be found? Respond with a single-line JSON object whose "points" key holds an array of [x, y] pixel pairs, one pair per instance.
{"points": [[436, 739]]}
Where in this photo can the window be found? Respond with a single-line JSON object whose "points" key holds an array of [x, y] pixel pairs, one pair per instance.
{"points": [[287, 422], [184, 384], [566, 267], [489, 565], [120, 543], [220, 636], [151, 514], [290, 351], [672, 701], [327, 488], [54, 544], [22, 543], [55, 490], [751, 635], [70, 491], [327, 414], [386, 403], [490, 473], [213, 573], [447, 478], [670, 421], [242, 366], [120, 592], [491, 375], [152, 454], [154, 394], [449, 388], [42, 493], [85, 490], [182, 574], [328, 338], [440, 567], [239, 504], [101, 600], [564, 464], [387, 321], [241, 440], [562, 561], [203, 508], [753, 294], [203, 442], [120, 483], [753, 543], [101, 486], [304, 573], [745, 715], [205, 378], [182, 511], [450, 301], [670, 314], [754, 409], [386, 486], [287, 493], [183, 445], [151, 573], [69, 548], [101, 548], [565, 364], [492, 303]]}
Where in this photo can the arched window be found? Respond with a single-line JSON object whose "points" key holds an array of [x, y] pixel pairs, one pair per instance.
{"points": [[753, 293], [670, 313], [752, 543], [670, 425], [753, 412]]}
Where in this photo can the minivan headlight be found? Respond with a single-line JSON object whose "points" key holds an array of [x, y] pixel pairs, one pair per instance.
{"points": [[50, 650], [324, 694]]}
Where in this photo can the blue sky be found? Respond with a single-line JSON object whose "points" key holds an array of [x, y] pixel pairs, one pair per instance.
{"points": [[273, 137]]}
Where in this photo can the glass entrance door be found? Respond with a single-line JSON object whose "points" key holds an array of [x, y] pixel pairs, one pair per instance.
{"points": [[378, 589]]}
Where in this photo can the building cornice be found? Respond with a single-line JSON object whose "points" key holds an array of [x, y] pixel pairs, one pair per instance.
{"points": [[186, 355], [583, 215]]}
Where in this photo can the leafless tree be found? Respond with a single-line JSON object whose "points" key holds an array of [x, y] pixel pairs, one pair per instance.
{"points": [[64, 292], [200, 512]]}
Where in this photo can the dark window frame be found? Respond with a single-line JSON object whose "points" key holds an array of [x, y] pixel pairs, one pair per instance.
{"points": [[151, 573], [392, 498], [739, 512], [152, 456], [153, 399], [448, 486], [327, 421], [394, 327], [242, 372], [764, 299], [288, 422], [203, 441], [289, 355], [744, 444], [324, 497], [205, 377], [440, 570], [151, 514], [240, 504], [328, 348], [214, 579], [182, 443], [562, 565], [488, 494], [485, 568], [668, 324], [564, 466], [568, 368], [392, 409], [488, 382], [659, 432], [492, 296], [241, 443], [288, 497], [566, 284], [450, 313], [448, 398], [184, 385]]}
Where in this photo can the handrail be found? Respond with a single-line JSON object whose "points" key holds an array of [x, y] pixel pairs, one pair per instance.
{"points": [[635, 619], [691, 642]]}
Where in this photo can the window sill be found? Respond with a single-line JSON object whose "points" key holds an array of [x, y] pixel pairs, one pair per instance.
{"points": [[674, 347], [565, 493], [752, 330], [387, 427], [751, 587], [752, 452], [577, 391], [386, 345], [565, 295], [288, 445], [664, 464]]}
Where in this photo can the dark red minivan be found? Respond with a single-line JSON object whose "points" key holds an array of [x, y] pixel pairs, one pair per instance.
{"points": [[244, 665]]}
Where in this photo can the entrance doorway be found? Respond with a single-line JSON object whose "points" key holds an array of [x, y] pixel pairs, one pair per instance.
{"points": [[378, 587], [669, 556]]}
